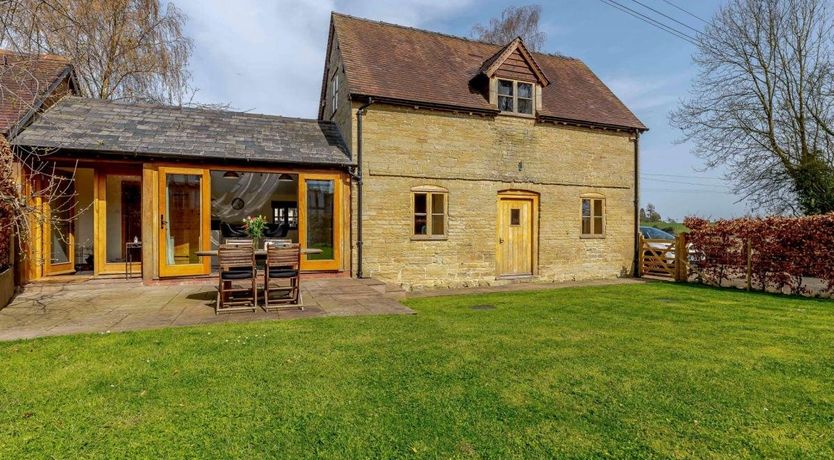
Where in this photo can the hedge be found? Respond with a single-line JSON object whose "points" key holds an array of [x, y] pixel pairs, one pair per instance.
{"points": [[775, 252]]}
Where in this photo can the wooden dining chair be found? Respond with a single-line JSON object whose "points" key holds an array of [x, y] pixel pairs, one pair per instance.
{"points": [[237, 264], [282, 274]]}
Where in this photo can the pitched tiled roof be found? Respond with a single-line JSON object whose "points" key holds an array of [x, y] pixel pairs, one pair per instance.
{"points": [[163, 131], [24, 81], [396, 62]]}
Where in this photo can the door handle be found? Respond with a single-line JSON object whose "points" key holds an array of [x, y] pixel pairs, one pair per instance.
{"points": [[162, 222], [500, 240]]}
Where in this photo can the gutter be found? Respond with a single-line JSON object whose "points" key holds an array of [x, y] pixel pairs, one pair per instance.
{"points": [[636, 263], [359, 182]]}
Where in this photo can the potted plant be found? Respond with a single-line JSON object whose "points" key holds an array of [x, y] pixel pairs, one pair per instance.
{"points": [[254, 227]]}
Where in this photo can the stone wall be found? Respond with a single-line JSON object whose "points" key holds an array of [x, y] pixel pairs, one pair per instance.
{"points": [[474, 158]]}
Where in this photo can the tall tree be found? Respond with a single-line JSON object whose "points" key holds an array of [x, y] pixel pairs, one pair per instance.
{"points": [[763, 102], [122, 49], [515, 21]]}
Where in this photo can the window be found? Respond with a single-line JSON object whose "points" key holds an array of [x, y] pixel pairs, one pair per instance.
{"points": [[429, 214], [515, 217], [285, 212], [334, 92], [515, 96], [593, 217]]}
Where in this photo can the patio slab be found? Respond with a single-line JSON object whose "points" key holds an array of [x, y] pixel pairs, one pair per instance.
{"points": [[91, 305]]}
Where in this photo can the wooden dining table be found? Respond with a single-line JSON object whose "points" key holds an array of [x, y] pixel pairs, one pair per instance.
{"points": [[259, 253]]}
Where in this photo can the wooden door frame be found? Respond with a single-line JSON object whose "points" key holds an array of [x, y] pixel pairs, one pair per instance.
{"points": [[336, 262], [519, 195], [63, 268], [100, 264], [204, 267]]}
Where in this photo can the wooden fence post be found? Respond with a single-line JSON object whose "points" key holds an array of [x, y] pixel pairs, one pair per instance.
{"points": [[681, 258], [749, 265]]}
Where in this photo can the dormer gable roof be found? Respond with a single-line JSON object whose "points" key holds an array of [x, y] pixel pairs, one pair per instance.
{"points": [[499, 59]]}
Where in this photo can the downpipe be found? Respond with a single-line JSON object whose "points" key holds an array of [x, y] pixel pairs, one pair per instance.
{"points": [[359, 187]]}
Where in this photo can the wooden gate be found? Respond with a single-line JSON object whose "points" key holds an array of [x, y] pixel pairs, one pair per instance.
{"points": [[664, 258]]}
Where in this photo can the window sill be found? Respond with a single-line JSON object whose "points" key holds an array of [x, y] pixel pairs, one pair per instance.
{"points": [[429, 238], [528, 116], [592, 237]]}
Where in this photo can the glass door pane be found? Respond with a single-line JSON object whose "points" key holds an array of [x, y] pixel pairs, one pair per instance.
{"points": [[123, 217], [60, 226], [320, 218], [183, 216], [184, 221]]}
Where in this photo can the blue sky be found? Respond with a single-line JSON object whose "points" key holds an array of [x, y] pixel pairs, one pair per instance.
{"points": [[267, 57]]}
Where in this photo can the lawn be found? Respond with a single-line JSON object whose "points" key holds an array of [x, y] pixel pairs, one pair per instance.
{"points": [[655, 370]]}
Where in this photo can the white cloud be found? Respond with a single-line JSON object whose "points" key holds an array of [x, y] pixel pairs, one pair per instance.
{"points": [[268, 57], [646, 93]]}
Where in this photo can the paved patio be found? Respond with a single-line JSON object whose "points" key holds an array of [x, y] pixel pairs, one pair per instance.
{"points": [[119, 305]]}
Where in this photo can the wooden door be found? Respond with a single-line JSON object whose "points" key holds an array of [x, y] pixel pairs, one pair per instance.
{"points": [[59, 229], [320, 219], [184, 216], [515, 237]]}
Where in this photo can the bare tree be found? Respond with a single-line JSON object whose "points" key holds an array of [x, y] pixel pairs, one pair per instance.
{"points": [[763, 102], [128, 50], [122, 49], [515, 21]]}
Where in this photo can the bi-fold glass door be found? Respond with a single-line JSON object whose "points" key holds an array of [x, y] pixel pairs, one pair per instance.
{"points": [[59, 229], [320, 219], [117, 221], [184, 218]]}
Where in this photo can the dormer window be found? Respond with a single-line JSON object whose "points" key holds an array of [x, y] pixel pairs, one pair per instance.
{"points": [[515, 96]]}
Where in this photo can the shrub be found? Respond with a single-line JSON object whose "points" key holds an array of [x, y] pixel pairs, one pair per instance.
{"points": [[783, 250]]}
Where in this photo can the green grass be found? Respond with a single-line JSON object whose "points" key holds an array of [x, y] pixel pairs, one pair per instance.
{"points": [[655, 370], [676, 227]]}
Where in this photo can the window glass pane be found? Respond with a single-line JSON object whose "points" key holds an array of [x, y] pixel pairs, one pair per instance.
{"points": [[420, 226], [525, 90], [184, 229], [437, 203], [586, 225], [505, 104], [420, 203], [586, 208], [515, 217], [597, 208], [505, 87], [597, 225], [320, 218], [525, 106], [438, 224]]}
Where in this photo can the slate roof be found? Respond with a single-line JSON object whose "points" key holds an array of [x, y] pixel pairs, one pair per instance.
{"points": [[396, 62], [24, 81], [165, 131]]}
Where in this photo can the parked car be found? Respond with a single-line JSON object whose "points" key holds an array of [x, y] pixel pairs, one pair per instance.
{"points": [[651, 233]]}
